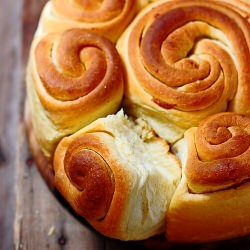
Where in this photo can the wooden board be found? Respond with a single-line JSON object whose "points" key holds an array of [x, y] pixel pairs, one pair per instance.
{"points": [[40, 219], [10, 54]]}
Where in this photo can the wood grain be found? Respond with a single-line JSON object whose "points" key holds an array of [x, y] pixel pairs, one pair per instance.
{"points": [[10, 15]]}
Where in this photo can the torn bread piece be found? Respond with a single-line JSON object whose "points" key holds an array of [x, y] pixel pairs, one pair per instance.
{"points": [[119, 176]]}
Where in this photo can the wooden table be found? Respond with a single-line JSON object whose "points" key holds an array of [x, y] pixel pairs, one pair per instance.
{"points": [[31, 217]]}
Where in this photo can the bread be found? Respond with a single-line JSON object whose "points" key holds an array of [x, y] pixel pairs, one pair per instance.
{"points": [[218, 153], [107, 18], [106, 174], [212, 201], [81, 80], [143, 125], [189, 59]]}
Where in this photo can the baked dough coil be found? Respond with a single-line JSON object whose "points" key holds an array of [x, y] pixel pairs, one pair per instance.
{"points": [[218, 153], [107, 175], [73, 78], [189, 59], [212, 201], [108, 18]]}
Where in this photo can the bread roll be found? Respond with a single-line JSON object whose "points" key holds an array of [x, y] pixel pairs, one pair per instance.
{"points": [[108, 18], [73, 78], [212, 201], [119, 176], [189, 59]]}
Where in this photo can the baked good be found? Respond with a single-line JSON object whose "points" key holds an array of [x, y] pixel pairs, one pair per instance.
{"points": [[108, 18], [189, 59], [213, 198], [176, 155], [106, 174], [73, 78]]}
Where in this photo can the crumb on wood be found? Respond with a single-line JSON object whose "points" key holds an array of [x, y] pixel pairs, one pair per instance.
{"points": [[52, 231]]}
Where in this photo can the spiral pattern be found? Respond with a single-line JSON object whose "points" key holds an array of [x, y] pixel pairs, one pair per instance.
{"points": [[218, 152], [73, 78], [106, 17], [105, 173], [91, 175], [73, 64], [90, 11], [189, 56]]}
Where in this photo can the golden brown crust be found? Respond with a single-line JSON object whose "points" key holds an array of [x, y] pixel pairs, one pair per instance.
{"points": [[107, 18], [112, 183], [73, 78], [89, 173], [189, 59], [218, 152], [74, 63], [89, 11]]}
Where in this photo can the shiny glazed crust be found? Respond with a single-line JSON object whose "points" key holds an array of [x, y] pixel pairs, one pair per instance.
{"points": [[73, 78], [108, 225], [218, 152], [189, 59]]}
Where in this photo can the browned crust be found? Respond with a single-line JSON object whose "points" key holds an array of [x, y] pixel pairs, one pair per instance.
{"points": [[102, 71], [110, 20], [238, 203], [75, 48], [158, 62], [91, 175], [218, 152], [91, 11], [111, 224]]}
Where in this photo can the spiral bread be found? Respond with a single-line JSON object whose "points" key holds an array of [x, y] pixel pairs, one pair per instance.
{"points": [[108, 18], [212, 200], [73, 78], [112, 152], [138, 113], [185, 64]]}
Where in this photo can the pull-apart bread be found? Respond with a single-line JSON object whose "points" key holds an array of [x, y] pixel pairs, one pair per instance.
{"points": [[213, 198], [119, 176], [138, 113]]}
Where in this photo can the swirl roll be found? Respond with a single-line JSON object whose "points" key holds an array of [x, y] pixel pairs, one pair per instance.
{"points": [[105, 173], [107, 17], [73, 78], [213, 197], [189, 59], [218, 153]]}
